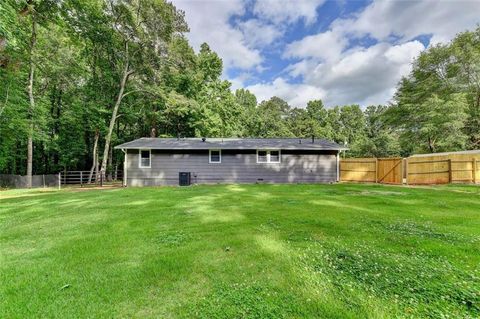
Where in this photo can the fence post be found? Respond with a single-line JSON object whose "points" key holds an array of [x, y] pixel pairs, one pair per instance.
{"points": [[43, 180], [449, 170], [59, 180], [81, 179], [101, 179], [376, 170], [474, 170]]}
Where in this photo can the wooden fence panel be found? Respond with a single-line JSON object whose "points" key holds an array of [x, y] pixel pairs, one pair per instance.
{"points": [[358, 170], [422, 171], [430, 169], [442, 169], [462, 171], [390, 170]]}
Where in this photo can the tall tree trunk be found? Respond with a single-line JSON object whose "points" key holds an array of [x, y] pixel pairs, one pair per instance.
{"points": [[33, 41], [94, 158], [108, 138], [110, 160]]}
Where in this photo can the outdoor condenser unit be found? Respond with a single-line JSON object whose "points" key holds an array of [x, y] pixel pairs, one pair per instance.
{"points": [[184, 178]]}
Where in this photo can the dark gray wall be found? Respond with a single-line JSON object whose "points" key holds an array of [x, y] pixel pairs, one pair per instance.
{"points": [[236, 167]]}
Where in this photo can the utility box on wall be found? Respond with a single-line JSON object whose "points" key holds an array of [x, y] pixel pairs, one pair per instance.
{"points": [[184, 178]]}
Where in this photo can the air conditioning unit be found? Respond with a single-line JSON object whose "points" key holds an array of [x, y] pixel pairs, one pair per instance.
{"points": [[184, 178]]}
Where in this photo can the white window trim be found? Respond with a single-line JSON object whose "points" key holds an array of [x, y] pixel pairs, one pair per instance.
{"points": [[210, 156], [268, 156], [140, 158]]}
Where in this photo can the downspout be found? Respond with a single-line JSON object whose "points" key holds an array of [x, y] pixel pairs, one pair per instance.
{"points": [[125, 168], [338, 166]]}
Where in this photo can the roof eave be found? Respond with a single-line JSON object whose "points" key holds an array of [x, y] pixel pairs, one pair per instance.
{"points": [[118, 147]]}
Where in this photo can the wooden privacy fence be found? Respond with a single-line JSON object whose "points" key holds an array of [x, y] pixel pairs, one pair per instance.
{"points": [[372, 170], [443, 169], [358, 170], [415, 170], [390, 170]]}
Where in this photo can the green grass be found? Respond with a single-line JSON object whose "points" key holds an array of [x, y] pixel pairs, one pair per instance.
{"points": [[241, 251]]}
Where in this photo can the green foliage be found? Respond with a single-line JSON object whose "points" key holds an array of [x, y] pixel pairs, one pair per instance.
{"points": [[380, 139], [271, 118], [84, 47], [438, 106]]}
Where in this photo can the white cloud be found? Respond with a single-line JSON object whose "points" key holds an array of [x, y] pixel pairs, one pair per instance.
{"points": [[239, 46], [295, 94], [238, 82], [326, 46], [259, 34], [209, 22], [408, 19], [303, 67], [360, 75], [333, 64], [369, 75], [364, 75], [287, 11]]}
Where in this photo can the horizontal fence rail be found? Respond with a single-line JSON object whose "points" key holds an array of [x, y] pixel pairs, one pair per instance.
{"points": [[84, 178]]}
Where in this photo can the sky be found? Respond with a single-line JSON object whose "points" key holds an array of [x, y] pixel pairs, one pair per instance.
{"points": [[340, 51]]}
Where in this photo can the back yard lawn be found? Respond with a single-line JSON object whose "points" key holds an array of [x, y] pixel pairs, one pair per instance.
{"points": [[241, 251]]}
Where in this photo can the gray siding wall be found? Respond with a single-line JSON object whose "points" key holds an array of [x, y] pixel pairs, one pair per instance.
{"points": [[236, 167]]}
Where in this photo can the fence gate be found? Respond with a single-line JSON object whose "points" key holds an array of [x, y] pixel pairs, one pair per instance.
{"points": [[390, 170]]}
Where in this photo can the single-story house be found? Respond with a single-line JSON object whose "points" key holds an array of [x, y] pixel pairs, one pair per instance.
{"points": [[181, 161]]}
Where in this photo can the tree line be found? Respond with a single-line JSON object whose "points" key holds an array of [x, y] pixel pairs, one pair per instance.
{"points": [[78, 77]]}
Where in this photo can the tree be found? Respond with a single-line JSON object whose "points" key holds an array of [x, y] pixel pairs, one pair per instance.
{"points": [[380, 139], [432, 126], [271, 119], [318, 125], [144, 29], [36, 13], [247, 103], [466, 53]]}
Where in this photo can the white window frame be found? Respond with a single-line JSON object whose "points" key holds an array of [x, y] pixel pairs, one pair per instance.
{"points": [[140, 158], [269, 161], [210, 156]]}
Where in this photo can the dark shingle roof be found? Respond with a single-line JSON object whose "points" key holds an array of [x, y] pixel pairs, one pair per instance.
{"points": [[230, 143]]}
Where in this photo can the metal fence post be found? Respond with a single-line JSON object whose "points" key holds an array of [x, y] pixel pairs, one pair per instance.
{"points": [[59, 180], [81, 179]]}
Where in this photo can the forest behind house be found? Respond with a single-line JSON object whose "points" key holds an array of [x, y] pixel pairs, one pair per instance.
{"points": [[79, 77]]}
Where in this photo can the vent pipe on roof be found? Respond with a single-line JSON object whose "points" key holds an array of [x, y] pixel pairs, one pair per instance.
{"points": [[313, 139], [204, 139], [299, 141]]}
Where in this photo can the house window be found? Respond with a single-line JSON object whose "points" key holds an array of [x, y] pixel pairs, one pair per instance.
{"points": [[145, 158], [268, 156], [274, 157], [215, 156]]}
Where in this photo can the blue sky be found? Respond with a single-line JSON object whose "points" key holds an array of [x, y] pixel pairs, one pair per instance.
{"points": [[343, 52]]}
